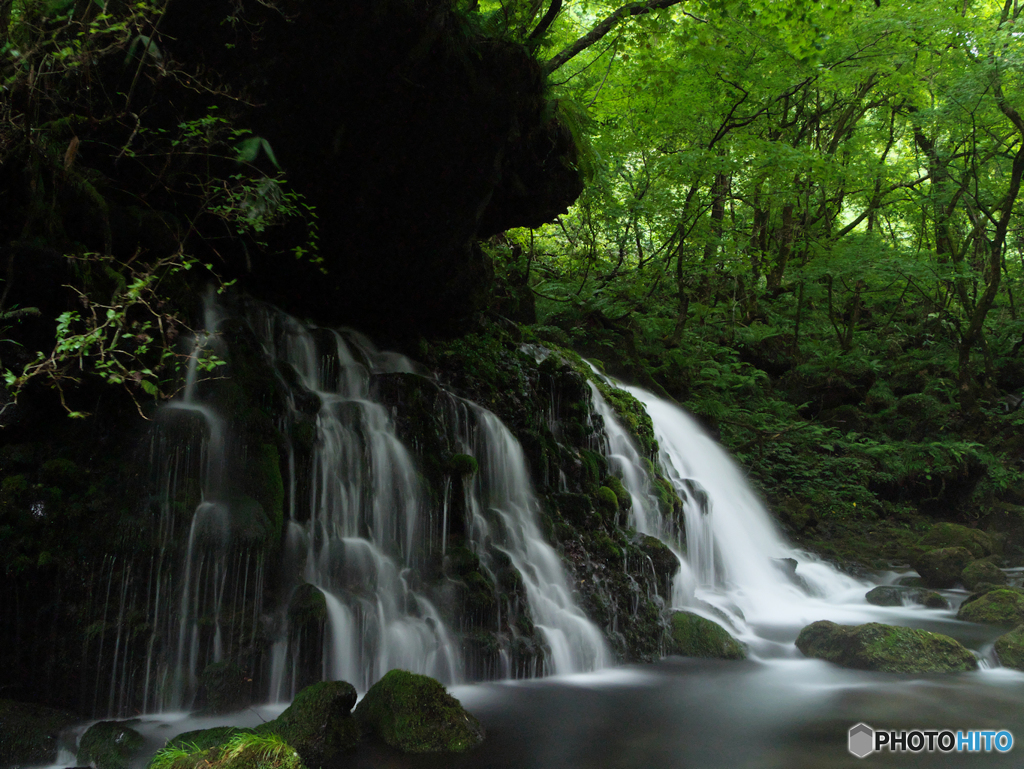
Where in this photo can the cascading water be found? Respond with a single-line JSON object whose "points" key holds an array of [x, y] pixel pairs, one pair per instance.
{"points": [[737, 566], [361, 528]]}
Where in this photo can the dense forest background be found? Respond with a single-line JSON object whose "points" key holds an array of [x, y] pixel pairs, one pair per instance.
{"points": [[801, 220]]}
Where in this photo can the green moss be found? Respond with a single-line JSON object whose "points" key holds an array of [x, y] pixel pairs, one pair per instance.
{"points": [[625, 501], [463, 465], [695, 636], [577, 509], [943, 535], [307, 606], [603, 546], [319, 722], [607, 501], [28, 732], [979, 572], [996, 607], [633, 416], [415, 714], [595, 467], [1010, 649], [884, 648], [942, 568], [110, 745]]}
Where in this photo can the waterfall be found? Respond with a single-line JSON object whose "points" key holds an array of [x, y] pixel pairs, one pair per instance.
{"points": [[734, 565]]}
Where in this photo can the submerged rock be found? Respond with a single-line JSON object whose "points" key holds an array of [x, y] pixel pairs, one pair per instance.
{"points": [[29, 732], [415, 714], [898, 595], [942, 568], [695, 636], [1002, 606], [319, 722], [110, 745], [884, 648], [978, 572], [1010, 649]]}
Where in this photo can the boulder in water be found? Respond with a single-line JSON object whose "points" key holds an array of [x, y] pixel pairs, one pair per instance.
{"points": [[695, 636], [884, 648], [415, 714], [29, 732], [942, 568], [898, 595], [1010, 649], [978, 572], [1001, 606], [319, 722], [110, 745]]}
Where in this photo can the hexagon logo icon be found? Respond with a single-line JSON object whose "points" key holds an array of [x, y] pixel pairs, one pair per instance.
{"points": [[862, 740]]}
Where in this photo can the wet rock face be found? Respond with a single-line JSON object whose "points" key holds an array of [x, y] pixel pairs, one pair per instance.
{"points": [[884, 648], [412, 134]]}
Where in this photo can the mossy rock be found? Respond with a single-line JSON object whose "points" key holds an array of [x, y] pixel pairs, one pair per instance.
{"points": [[981, 572], [624, 499], [942, 568], [995, 607], [607, 501], [1010, 649], [224, 688], [415, 714], [319, 722], [577, 509], [307, 607], [898, 595], [263, 482], [665, 562], [29, 732], [884, 648], [695, 636], [110, 745], [945, 535], [463, 465]]}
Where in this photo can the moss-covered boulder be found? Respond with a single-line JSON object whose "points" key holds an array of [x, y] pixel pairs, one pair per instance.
{"points": [[110, 745], [224, 688], [1010, 649], [945, 535], [979, 572], [899, 595], [607, 502], [415, 714], [319, 722], [695, 636], [942, 568], [28, 732], [1001, 606], [884, 648]]}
